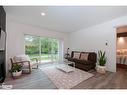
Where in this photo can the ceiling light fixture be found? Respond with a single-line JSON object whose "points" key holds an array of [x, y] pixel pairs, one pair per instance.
{"points": [[43, 14]]}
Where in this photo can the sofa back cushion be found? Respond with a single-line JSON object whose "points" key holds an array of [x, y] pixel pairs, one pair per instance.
{"points": [[76, 55], [91, 57], [84, 56]]}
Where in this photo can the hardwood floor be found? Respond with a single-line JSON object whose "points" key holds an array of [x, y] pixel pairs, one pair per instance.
{"points": [[38, 80], [107, 81]]}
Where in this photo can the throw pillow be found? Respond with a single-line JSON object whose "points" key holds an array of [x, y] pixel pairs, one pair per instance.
{"points": [[76, 55], [84, 56]]}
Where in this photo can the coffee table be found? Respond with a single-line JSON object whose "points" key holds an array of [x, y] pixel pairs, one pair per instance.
{"points": [[63, 66]]}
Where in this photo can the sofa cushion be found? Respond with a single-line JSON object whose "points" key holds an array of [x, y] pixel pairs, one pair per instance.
{"points": [[84, 56], [31, 64], [85, 62], [76, 55], [20, 58], [25, 58]]}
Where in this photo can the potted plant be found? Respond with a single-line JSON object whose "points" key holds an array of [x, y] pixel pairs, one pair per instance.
{"points": [[101, 68], [16, 70]]}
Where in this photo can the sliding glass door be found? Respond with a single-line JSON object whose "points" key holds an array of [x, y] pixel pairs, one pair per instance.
{"points": [[32, 46], [43, 48]]}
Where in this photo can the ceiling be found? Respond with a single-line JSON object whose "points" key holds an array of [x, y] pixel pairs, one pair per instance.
{"points": [[64, 18]]}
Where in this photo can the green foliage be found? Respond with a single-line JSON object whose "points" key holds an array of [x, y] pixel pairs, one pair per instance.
{"points": [[16, 68], [48, 45], [31, 45], [102, 58]]}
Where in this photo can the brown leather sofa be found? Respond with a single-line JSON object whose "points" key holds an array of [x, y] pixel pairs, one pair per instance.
{"points": [[84, 64]]}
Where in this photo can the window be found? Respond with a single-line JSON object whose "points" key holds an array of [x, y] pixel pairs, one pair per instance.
{"points": [[43, 48]]}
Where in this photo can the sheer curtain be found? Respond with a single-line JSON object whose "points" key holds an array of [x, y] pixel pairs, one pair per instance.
{"points": [[61, 46]]}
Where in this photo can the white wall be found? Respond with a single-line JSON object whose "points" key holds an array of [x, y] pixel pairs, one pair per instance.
{"points": [[95, 37], [90, 39], [15, 37]]}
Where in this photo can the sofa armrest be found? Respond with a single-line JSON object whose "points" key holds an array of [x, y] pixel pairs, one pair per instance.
{"points": [[71, 59], [26, 62], [34, 59]]}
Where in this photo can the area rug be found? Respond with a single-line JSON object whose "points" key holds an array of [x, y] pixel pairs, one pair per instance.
{"points": [[64, 80]]}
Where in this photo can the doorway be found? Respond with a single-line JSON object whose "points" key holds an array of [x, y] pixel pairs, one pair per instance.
{"points": [[121, 53]]}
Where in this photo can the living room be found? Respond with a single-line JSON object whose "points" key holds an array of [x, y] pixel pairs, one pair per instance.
{"points": [[76, 34]]}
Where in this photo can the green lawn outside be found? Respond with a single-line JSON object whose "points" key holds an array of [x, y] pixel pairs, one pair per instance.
{"points": [[44, 56]]}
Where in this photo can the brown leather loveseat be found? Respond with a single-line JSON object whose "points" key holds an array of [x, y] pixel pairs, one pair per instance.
{"points": [[84, 60]]}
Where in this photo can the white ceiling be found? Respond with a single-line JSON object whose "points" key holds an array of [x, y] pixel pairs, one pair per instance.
{"points": [[65, 18]]}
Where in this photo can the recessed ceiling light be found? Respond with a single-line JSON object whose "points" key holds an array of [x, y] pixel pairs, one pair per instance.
{"points": [[43, 14]]}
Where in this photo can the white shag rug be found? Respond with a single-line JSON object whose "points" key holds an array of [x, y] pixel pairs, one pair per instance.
{"points": [[64, 80]]}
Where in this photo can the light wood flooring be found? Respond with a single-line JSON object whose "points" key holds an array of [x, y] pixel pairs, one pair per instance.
{"points": [[38, 80]]}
